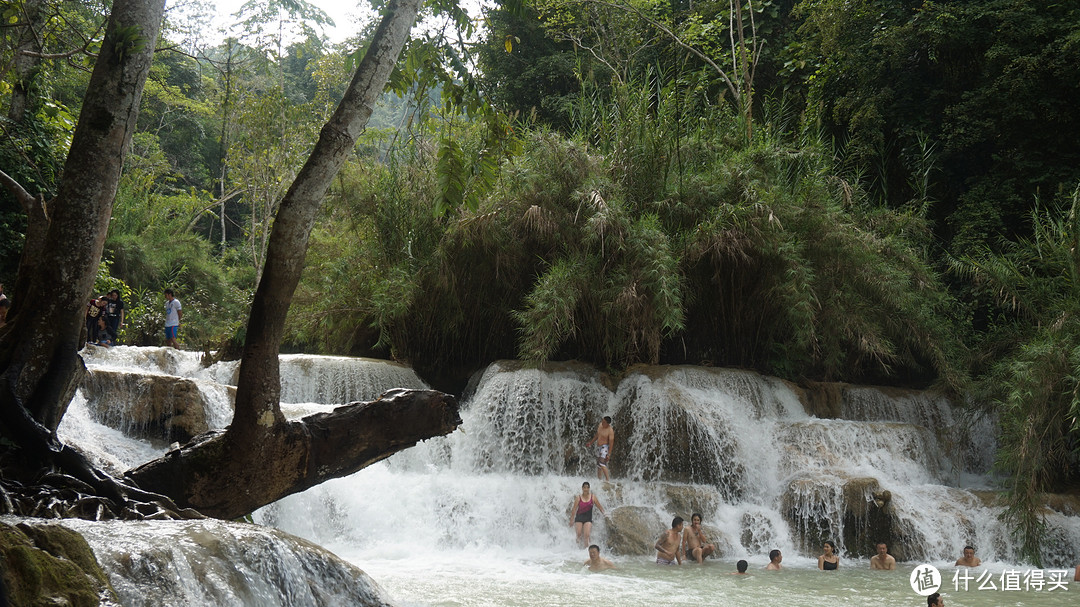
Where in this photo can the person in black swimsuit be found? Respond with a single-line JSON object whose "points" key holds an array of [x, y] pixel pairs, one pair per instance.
{"points": [[830, 560]]}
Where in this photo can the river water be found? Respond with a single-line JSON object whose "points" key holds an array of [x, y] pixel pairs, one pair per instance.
{"points": [[480, 517]]}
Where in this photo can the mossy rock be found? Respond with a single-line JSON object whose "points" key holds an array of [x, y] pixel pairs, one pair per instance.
{"points": [[49, 564]]}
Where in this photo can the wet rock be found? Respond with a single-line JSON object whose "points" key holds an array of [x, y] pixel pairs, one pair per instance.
{"points": [[684, 449], [147, 406], [822, 399], [209, 562], [685, 500], [855, 513], [1067, 504], [51, 565], [632, 530], [758, 535]]}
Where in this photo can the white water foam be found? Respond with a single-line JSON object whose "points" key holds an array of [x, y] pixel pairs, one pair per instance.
{"points": [[480, 517]]}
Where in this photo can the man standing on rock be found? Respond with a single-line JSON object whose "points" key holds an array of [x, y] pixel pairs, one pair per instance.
{"points": [[605, 442], [173, 314], [882, 560]]}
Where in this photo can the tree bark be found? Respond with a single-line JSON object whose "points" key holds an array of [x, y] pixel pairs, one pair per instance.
{"points": [[39, 363], [320, 447], [261, 457], [259, 386], [262, 453]]}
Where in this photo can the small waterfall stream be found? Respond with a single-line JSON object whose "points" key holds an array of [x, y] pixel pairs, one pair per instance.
{"points": [[481, 517]]}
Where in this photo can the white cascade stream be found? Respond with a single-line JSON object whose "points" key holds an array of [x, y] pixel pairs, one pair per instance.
{"points": [[480, 517]]}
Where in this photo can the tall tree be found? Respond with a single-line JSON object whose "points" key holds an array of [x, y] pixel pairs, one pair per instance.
{"points": [[262, 453], [205, 475], [39, 362]]}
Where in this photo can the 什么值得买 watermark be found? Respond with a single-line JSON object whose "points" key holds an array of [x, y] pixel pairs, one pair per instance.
{"points": [[926, 580], [1038, 580]]}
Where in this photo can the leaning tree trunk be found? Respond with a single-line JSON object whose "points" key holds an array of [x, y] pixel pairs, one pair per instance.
{"points": [[39, 362], [262, 453]]}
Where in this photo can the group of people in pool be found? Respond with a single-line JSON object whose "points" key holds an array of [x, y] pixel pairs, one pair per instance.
{"points": [[678, 541], [692, 542]]}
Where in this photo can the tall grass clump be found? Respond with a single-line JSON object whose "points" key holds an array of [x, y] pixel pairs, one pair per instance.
{"points": [[1032, 377]]}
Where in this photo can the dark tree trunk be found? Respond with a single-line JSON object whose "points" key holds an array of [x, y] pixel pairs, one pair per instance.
{"points": [[260, 451], [261, 457], [203, 475], [39, 363], [259, 386]]}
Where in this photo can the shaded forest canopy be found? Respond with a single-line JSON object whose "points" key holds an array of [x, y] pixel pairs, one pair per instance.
{"points": [[864, 191]]}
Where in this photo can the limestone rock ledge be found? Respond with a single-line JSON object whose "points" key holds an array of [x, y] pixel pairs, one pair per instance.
{"points": [[162, 407]]}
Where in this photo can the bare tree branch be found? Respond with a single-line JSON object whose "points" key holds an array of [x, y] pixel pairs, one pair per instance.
{"points": [[673, 36], [26, 201]]}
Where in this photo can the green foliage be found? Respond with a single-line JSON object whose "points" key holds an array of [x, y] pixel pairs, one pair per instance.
{"points": [[151, 246], [127, 40], [667, 238], [992, 85], [535, 76], [1034, 377]]}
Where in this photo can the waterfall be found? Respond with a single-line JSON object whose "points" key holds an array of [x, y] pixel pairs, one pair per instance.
{"points": [[485, 511], [207, 562]]}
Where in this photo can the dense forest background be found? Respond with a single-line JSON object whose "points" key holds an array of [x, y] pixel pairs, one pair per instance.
{"points": [[863, 191]]}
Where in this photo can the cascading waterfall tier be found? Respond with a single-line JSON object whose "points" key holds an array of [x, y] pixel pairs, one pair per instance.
{"points": [[768, 464]]}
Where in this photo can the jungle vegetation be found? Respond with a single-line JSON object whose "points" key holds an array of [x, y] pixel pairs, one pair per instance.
{"points": [[862, 191]]}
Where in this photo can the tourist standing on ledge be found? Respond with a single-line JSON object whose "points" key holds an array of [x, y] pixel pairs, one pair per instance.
{"points": [[114, 315], [582, 513], [667, 547], [969, 559], [830, 560], [173, 314], [605, 442], [883, 560], [774, 560]]}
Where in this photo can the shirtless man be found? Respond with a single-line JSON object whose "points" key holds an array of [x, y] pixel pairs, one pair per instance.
{"points": [[667, 547], [969, 559], [883, 560], [695, 545], [605, 442], [774, 560], [596, 562]]}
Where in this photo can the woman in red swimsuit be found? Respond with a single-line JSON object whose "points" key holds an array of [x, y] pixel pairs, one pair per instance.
{"points": [[581, 512]]}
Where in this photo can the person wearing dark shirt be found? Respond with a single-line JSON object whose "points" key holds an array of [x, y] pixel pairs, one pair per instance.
{"points": [[114, 315]]}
